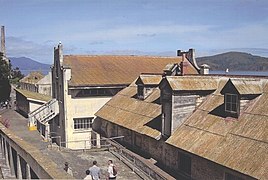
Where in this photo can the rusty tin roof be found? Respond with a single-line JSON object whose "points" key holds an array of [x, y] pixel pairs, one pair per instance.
{"points": [[108, 70]]}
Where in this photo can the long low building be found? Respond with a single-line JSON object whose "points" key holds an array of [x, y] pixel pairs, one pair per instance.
{"points": [[195, 127]]}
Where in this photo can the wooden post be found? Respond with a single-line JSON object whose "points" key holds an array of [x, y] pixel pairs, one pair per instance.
{"points": [[6, 154], [98, 140], [28, 171], [19, 174], [12, 168]]}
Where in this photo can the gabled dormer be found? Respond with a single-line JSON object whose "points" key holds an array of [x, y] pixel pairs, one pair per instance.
{"points": [[237, 93], [145, 85], [180, 96]]}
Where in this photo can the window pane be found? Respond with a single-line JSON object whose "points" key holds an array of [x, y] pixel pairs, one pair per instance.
{"points": [[82, 123], [234, 99], [231, 103], [234, 108], [228, 106], [228, 98]]}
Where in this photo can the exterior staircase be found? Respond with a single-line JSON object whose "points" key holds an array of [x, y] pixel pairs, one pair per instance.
{"points": [[43, 114]]}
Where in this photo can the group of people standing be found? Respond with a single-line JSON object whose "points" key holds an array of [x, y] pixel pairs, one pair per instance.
{"points": [[93, 173]]}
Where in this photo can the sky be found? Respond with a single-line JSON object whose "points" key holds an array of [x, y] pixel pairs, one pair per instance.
{"points": [[136, 27]]}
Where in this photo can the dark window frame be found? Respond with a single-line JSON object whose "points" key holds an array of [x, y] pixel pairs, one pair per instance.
{"points": [[83, 123], [231, 102]]}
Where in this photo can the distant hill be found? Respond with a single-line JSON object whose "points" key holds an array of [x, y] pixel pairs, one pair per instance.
{"points": [[26, 65], [235, 61]]}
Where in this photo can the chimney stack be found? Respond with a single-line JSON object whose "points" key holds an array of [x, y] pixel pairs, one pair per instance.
{"points": [[183, 65], [3, 44]]}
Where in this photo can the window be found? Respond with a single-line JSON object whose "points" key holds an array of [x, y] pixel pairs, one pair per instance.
{"points": [[185, 163], [231, 103], [231, 177], [83, 123], [94, 92]]}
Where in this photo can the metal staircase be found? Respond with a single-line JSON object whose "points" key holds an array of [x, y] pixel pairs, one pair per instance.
{"points": [[44, 113]]}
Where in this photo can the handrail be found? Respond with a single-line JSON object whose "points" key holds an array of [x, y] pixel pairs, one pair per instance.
{"points": [[51, 102], [44, 112], [134, 158]]}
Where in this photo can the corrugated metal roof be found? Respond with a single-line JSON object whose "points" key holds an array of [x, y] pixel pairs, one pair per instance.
{"points": [[34, 95], [129, 91], [153, 96], [245, 86], [240, 144], [190, 83], [114, 70], [169, 67], [130, 113], [150, 79], [33, 77]]}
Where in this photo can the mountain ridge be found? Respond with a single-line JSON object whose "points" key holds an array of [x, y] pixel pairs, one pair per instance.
{"points": [[237, 61], [26, 65]]}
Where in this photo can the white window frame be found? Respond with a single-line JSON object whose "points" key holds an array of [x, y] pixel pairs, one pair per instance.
{"points": [[231, 103], [83, 123]]}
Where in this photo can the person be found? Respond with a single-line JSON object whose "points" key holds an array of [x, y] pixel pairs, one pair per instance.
{"points": [[68, 169], [111, 173], [88, 177], [95, 171]]}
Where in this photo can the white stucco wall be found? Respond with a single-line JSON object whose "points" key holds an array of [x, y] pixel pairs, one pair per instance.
{"points": [[34, 105], [81, 108]]}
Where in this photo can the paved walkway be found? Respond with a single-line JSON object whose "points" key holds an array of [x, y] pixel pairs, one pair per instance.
{"points": [[79, 161]]}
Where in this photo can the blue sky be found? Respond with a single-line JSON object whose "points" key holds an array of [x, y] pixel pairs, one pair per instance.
{"points": [[150, 27]]}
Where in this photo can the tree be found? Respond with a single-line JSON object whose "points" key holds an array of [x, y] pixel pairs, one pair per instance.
{"points": [[5, 87], [16, 75]]}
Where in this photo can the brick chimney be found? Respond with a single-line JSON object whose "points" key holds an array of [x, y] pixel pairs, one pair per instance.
{"points": [[3, 44], [183, 64]]}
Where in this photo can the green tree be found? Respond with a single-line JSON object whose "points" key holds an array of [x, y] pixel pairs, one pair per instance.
{"points": [[16, 75], [5, 87]]}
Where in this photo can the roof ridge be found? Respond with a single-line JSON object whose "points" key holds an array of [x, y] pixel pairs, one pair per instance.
{"points": [[107, 55]]}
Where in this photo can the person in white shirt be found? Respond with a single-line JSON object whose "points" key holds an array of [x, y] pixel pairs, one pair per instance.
{"points": [[111, 170], [68, 169], [95, 171], [88, 177]]}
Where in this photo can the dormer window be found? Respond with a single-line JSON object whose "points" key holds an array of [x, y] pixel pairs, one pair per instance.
{"points": [[146, 84], [231, 103], [144, 92], [238, 93]]}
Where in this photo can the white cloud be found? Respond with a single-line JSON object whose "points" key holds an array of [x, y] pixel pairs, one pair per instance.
{"points": [[17, 47], [135, 33]]}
